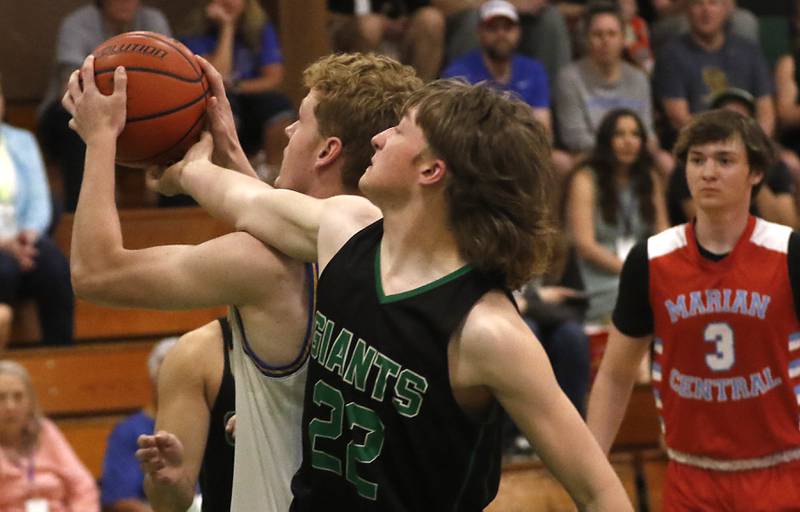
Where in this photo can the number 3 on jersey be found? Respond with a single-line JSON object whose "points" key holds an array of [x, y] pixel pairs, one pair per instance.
{"points": [[724, 356], [356, 416]]}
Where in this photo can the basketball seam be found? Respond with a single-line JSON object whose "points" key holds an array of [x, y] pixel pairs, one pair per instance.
{"points": [[183, 137], [151, 70], [167, 41], [167, 112]]}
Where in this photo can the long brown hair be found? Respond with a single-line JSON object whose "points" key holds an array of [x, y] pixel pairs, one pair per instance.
{"points": [[358, 95], [499, 175], [603, 161], [30, 433]]}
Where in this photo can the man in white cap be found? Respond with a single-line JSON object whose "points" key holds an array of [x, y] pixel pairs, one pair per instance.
{"points": [[497, 62]]}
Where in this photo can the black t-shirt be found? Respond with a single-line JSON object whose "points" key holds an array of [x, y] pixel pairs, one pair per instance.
{"points": [[778, 179], [633, 314]]}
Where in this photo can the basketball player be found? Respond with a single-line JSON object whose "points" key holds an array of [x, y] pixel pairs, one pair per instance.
{"points": [[196, 399], [719, 299], [272, 297], [416, 342]]}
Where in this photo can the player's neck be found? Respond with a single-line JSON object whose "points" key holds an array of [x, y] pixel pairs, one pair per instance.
{"points": [[719, 231], [416, 250]]}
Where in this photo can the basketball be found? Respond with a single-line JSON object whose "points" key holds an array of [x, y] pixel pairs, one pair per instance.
{"points": [[167, 96]]}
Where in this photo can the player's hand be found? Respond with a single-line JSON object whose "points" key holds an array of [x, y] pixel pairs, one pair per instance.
{"points": [[161, 457], [93, 113], [230, 427], [228, 151], [168, 181]]}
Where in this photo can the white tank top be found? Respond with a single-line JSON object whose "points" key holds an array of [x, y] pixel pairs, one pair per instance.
{"points": [[269, 413]]}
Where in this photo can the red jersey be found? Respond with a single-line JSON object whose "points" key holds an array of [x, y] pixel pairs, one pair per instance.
{"points": [[726, 365]]}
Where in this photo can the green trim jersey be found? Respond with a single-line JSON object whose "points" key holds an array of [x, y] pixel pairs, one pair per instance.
{"points": [[381, 428]]}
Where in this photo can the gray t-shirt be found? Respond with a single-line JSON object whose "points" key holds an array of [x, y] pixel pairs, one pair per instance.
{"points": [[83, 30], [583, 97], [684, 70]]}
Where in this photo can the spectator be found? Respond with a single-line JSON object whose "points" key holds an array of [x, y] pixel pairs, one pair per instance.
{"points": [[6, 315], [788, 109], [673, 22], [637, 37], [602, 81], [80, 32], [122, 481], [414, 27], [693, 67], [31, 265], [612, 201], [773, 202], [543, 33], [497, 63], [39, 471], [241, 43]]}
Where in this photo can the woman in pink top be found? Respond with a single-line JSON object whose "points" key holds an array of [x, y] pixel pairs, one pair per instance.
{"points": [[39, 472]]}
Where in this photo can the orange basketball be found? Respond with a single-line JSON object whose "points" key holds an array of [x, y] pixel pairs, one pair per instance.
{"points": [[167, 96]]}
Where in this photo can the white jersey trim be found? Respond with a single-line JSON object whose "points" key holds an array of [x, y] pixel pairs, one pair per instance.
{"points": [[734, 464], [666, 242], [769, 235]]}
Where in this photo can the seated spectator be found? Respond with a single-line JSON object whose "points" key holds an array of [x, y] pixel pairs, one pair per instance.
{"points": [[122, 481], [6, 316], [39, 471], [79, 34], [241, 43], [543, 33], [600, 82], [693, 67], [31, 265], [637, 37], [788, 110], [497, 63], [773, 202], [414, 27], [672, 21], [613, 200]]}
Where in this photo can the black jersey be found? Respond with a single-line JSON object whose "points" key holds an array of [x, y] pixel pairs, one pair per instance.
{"points": [[381, 429], [216, 470]]}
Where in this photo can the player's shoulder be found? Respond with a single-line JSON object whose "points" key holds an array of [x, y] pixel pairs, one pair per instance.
{"points": [[187, 360], [771, 236], [666, 242], [341, 218], [492, 320]]}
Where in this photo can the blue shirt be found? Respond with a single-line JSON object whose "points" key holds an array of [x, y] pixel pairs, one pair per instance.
{"points": [[528, 77], [32, 204], [246, 62], [122, 478]]}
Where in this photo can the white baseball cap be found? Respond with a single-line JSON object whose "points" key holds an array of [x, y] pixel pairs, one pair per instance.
{"points": [[498, 8]]}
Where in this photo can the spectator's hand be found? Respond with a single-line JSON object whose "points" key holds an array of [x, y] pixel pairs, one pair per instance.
{"points": [[230, 427], [558, 294], [161, 457], [94, 113], [228, 151], [23, 253], [219, 14], [168, 181]]}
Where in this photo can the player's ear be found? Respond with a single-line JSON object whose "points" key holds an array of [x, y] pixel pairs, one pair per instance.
{"points": [[330, 151], [433, 171]]}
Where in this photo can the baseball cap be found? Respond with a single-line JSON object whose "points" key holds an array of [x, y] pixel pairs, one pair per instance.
{"points": [[723, 96], [498, 8]]}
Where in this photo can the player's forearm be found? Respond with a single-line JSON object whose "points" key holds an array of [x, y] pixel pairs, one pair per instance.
{"points": [[283, 219], [169, 497], [96, 232], [607, 404]]}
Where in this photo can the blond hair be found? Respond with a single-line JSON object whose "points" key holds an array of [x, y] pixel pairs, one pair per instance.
{"points": [[31, 430], [359, 95]]}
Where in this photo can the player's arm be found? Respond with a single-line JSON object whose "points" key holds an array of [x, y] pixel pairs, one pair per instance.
{"points": [[613, 385], [497, 351], [302, 227], [183, 410]]}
